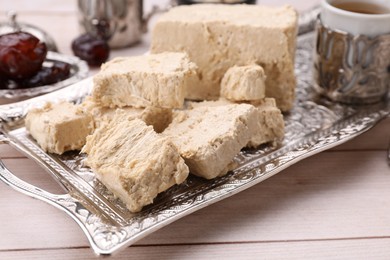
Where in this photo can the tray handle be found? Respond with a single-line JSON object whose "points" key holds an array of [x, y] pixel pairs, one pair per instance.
{"points": [[24, 187], [70, 203], [17, 184], [64, 202]]}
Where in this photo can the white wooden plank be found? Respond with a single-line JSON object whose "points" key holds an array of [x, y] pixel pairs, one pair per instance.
{"points": [[331, 195], [49, 6], [335, 195], [7, 151], [44, 7], [29, 220], [376, 138], [338, 249], [63, 28]]}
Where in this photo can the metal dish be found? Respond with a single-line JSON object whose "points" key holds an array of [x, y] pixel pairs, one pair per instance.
{"points": [[313, 125], [79, 70]]}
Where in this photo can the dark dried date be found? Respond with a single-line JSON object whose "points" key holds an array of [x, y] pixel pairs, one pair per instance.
{"points": [[21, 55], [46, 76], [3, 82], [93, 50]]}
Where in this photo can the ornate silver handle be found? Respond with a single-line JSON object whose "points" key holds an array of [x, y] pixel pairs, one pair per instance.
{"points": [[14, 182], [64, 202], [18, 184]]}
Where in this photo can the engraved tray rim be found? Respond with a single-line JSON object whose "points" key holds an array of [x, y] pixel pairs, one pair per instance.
{"points": [[107, 236]]}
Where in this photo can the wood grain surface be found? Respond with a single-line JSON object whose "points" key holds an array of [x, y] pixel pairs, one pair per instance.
{"points": [[334, 205]]}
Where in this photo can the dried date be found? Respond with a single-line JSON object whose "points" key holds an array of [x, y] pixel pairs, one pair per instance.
{"points": [[47, 75], [21, 55], [94, 50]]}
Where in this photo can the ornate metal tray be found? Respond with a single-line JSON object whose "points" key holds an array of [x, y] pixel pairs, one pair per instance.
{"points": [[313, 125]]}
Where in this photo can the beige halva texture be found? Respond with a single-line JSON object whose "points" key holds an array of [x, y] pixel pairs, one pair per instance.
{"points": [[270, 122], [242, 83], [210, 134], [151, 80], [157, 117], [63, 127], [139, 136], [209, 138], [59, 128], [133, 161], [218, 37]]}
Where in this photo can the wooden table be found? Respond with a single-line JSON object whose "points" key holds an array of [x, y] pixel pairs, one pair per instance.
{"points": [[335, 205]]}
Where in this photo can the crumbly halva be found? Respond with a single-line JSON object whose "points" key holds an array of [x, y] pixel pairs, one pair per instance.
{"points": [[60, 127], [149, 80], [243, 83], [270, 122], [208, 138], [133, 161], [217, 37], [157, 117], [212, 46]]}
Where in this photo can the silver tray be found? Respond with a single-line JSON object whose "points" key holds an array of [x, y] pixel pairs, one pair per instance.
{"points": [[313, 125], [78, 71]]}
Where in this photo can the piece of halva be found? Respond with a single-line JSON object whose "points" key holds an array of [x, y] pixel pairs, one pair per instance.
{"points": [[208, 138], [157, 117], [149, 80], [269, 121], [60, 127], [133, 161], [217, 37], [243, 83]]}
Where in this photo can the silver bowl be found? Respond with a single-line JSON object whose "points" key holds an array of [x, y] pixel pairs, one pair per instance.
{"points": [[79, 70]]}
